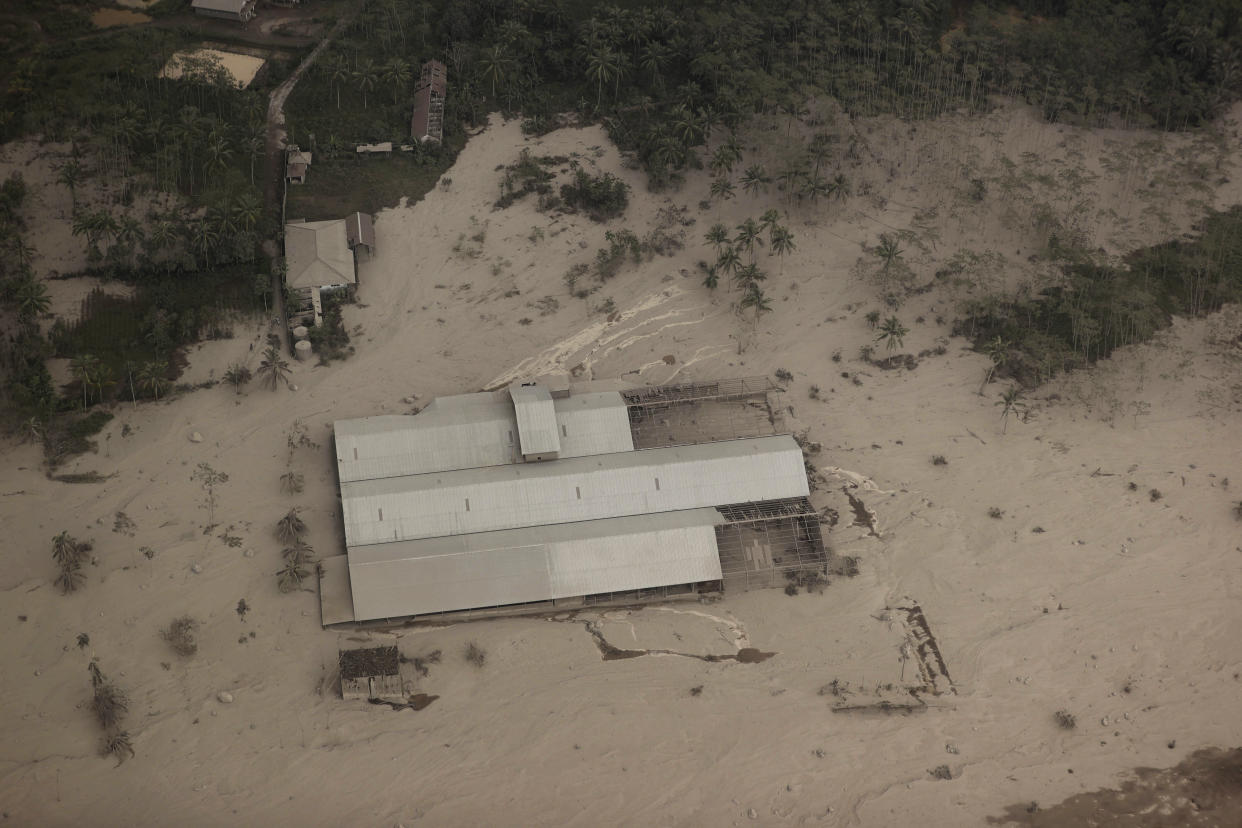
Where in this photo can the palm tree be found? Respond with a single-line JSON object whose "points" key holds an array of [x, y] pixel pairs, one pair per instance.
{"points": [[217, 152], [717, 236], [893, 332], [722, 189], [65, 548], [1011, 403], [32, 298], [997, 350], [495, 66], [757, 300], [290, 528], [888, 250], [654, 59], [814, 186], [769, 221], [604, 66], [246, 210], [728, 262], [203, 239], [338, 70], [273, 367], [397, 72], [70, 175], [789, 178], [839, 187], [152, 377], [750, 274], [131, 368], [748, 237], [83, 368], [754, 179], [722, 161], [782, 244], [101, 379], [364, 76]]}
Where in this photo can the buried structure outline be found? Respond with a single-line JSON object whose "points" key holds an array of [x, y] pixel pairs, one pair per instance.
{"points": [[546, 497]]}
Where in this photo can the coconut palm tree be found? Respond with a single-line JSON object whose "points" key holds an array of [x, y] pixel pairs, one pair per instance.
{"points": [[83, 368], [839, 187], [604, 66], [728, 262], [495, 66], [338, 73], [754, 179], [237, 375], [290, 528], [1011, 403], [748, 237], [722, 161], [70, 175], [782, 244], [246, 210], [397, 72], [722, 189], [65, 547], [717, 236], [893, 333], [997, 350], [273, 368], [888, 250], [654, 60], [203, 238], [32, 298], [769, 221], [364, 76], [756, 300], [152, 377]]}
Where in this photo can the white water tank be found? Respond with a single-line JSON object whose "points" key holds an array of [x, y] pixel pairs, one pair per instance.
{"points": [[300, 332], [302, 348]]}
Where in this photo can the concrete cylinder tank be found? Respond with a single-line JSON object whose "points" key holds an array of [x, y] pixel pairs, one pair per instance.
{"points": [[300, 332], [302, 349]]}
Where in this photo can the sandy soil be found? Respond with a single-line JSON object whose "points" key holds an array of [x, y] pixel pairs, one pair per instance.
{"points": [[106, 18], [241, 67], [1084, 595]]}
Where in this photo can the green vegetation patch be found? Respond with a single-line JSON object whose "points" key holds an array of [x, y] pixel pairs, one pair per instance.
{"points": [[1099, 308], [334, 189]]}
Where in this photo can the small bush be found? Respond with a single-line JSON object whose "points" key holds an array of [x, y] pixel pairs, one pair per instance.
{"points": [[1155, 495], [1066, 720], [697, 690], [995, 513], [600, 197], [939, 460], [1132, 486], [1237, 510], [941, 772], [84, 641], [783, 375], [813, 392], [475, 654], [180, 634]]}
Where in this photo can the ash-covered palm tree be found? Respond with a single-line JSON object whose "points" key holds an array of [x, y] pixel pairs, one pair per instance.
{"points": [[888, 250], [1011, 403], [70, 175], [748, 237], [717, 236], [274, 368], [893, 333], [364, 76], [291, 527], [782, 244], [728, 262], [722, 189], [754, 179], [83, 368], [604, 65]]}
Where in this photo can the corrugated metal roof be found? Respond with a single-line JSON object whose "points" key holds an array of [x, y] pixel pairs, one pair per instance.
{"points": [[574, 489], [535, 564], [538, 431], [468, 431], [317, 254]]}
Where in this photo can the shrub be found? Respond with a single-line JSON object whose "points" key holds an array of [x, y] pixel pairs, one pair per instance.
{"points": [[475, 654], [939, 460], [600, 197], [783, 375], [1065, 719], [1237, 510], [180, 634], [996, 513], [1155, 495]]}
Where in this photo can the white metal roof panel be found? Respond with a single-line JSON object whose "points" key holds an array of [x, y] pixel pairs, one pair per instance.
{"points": [[517, 566], [317, 254], [469, 431], [538, 431], [574, 489]]}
